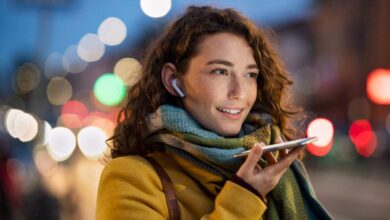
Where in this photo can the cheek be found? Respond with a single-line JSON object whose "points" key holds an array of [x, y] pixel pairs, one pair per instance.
{"points": [[252, 94], [206, 92]]}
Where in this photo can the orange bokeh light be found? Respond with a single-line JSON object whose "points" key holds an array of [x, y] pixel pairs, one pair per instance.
{"points": [[323, 129], [378, 86]]}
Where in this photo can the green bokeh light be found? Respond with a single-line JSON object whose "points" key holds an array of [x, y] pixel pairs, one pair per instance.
{"points": [[109, 89]]}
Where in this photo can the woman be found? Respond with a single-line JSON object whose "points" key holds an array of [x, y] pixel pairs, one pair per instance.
{"points": [[211, 87]]}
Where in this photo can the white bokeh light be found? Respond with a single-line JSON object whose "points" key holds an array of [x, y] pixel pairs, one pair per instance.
{"points": [[61, 143], [112, 31], [323, 129], [26, 127], [156, 8], [21, 125], [46, 131], [92, 142], [10, 118], [90, 48]]}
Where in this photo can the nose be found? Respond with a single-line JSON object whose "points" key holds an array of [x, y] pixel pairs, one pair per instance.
{"points": [[236, 89]]}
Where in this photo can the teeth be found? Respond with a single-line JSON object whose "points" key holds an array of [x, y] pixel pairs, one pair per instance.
{"points": [[229, 111]]}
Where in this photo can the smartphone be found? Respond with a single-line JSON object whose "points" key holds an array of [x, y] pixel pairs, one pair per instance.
{"points": [[285, 145]]}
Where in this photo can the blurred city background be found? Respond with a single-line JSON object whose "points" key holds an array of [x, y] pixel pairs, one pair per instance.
{"points": [[65, 66]]}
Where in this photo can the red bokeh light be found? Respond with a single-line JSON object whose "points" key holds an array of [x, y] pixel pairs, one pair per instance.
{"points": [[72, 114], [364, 138], [319, 151], [75, 107]]}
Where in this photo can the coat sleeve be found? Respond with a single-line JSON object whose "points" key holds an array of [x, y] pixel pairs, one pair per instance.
{"points": [[130, 189], [236, 202]]}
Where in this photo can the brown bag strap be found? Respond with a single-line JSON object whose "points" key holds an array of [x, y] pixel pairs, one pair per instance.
{"points": [[173, 206]]}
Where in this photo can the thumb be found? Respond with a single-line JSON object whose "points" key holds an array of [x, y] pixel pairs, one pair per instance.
{"points": [[253, 157]]}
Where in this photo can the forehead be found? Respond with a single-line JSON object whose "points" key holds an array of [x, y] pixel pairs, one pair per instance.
{"points": [[224, 46]]}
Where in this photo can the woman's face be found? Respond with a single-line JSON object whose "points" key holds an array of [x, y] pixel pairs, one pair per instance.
{"points": [[220, 83]]}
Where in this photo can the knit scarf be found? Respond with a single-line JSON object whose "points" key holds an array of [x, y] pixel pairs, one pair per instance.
{"points": [[208, 157]]}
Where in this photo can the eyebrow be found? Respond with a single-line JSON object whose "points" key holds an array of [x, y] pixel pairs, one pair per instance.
{"points": [[227, 63]]}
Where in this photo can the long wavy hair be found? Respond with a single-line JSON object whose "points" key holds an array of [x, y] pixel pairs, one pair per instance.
{"points": [[178, 44]]}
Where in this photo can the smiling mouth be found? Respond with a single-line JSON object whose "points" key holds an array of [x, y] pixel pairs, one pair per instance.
{"points": [[230, 111]]}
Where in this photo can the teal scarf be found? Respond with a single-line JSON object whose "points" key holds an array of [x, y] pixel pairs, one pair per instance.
{"points": [[183, 137]]}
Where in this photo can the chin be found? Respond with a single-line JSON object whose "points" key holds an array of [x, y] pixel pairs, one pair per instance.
{"points": [[228, 132]]}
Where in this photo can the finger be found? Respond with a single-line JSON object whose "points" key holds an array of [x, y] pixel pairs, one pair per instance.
{"points": [[278, 140], [270, 158], [253, 157], [283, 153], [283, 164], [257, 168]]}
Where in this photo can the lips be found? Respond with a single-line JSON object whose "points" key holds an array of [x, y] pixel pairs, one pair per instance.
{"points": [[230, 111]]}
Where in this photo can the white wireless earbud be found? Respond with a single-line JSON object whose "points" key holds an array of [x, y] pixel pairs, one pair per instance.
{"points": [[177, 89]]}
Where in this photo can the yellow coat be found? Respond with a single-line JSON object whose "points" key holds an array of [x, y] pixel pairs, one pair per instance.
{"points": [[131, 189]]}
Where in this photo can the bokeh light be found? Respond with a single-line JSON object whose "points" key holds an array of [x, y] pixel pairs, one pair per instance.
{"points": [[109, 89], [27, 77], [378, 89], [112, 31], [155, 8], [21, 125], [46, 131], [59, 91], [90, 48], [72, 114], [72, 62], [54, 66], [100, 120], [323, 129], [363, 136], [128, 69], [75, 107], [10, 118], [61, 144], [26, 127], [91, 141]]}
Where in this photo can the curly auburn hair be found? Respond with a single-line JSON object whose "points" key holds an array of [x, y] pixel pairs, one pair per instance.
{"points": [[178, 44]]}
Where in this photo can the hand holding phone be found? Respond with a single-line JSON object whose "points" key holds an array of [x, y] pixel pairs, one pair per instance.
{"points": [[285, 145]]}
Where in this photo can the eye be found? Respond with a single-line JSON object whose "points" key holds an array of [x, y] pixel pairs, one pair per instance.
{"points": [[220, 71], [252, 75]]}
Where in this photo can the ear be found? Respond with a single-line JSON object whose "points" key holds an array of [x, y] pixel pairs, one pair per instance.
{"points": [[168, 73]]}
